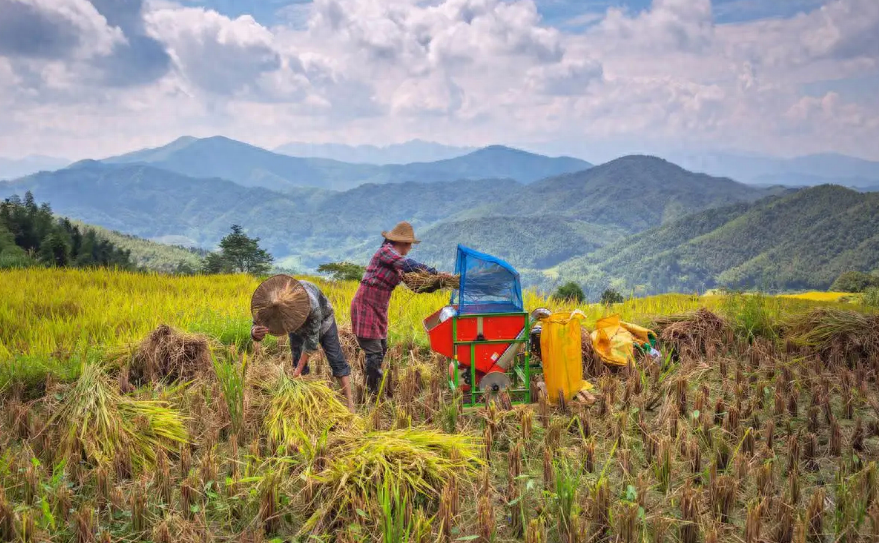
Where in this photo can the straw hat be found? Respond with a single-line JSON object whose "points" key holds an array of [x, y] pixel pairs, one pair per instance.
{"points": [[280, 303], [403, 233]]}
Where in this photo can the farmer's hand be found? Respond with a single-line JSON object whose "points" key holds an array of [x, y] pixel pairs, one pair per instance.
{"points": [[258, 332], [303, 360]]}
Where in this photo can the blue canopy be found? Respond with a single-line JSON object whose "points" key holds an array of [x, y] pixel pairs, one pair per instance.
{"points": [[488, 284]]}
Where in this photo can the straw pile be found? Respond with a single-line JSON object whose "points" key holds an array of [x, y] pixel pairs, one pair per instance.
{"points": [[419, 461], [421, 282], [836, 335], [169, 355], [93, 420], [302, 410], [592, 363], [693, 334]]}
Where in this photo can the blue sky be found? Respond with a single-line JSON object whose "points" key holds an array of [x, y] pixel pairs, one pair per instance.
{"points": [[555, 12], [591, 78]]}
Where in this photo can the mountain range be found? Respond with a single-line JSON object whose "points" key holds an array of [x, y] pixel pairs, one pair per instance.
{"points": [[637, 221], [808, 170], [14, 168], [399, 153], [797, 240], [252, 166]]}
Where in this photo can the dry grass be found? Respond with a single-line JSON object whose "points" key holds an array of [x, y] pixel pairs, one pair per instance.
{"points": [[421, 282]]}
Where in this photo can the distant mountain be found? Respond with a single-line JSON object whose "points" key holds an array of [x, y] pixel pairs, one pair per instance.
{"points": [[807, 170], [247, 165], [632, 193], [14, 168], [398, 153], [494, 162], [313, 225], [799, 240], [537, 242]]}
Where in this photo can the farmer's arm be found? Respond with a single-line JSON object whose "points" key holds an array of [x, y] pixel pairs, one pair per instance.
{"points": [[311, 337], [392, 258], [410, 265]]}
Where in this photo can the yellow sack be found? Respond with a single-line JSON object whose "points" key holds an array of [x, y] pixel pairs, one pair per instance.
{"points": [[614, 340], [561, 352]]}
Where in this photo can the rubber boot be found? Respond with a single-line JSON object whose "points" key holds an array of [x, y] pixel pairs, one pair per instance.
{"points": [[373, 372]]}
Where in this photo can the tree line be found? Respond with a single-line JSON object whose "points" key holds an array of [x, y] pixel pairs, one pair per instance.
{"points": [[31, 235]]}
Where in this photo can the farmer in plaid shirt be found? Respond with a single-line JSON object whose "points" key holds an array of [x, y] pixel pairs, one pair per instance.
{"points": [[369, 308]]}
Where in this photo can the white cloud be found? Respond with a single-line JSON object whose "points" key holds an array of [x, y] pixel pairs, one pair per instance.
{"points": [[464, 71], [217, 54]]}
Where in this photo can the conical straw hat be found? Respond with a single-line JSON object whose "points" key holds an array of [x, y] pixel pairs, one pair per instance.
{"points": [[403, 233], [280, 303]]}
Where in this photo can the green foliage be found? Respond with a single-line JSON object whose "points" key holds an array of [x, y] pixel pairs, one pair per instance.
{"points": [[797, 241], [854, 281], [342, 271], [871, 297], [150, 255], [239, 253], [231, 377], [30, 234], [752, 315], [611, 296], [570, 292]]}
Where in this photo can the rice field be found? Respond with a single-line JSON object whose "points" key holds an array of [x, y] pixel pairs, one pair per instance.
{"points": [[135, 408]]}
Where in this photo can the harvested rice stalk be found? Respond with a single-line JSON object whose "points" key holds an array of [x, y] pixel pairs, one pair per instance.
{"points": [[418, 460], [693, 334], [304, 409], [836, 335], [422, 282], [94, 419], [167, 355]]}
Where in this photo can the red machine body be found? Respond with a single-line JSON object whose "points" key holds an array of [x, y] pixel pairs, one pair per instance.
{"points": [[493, 328]]}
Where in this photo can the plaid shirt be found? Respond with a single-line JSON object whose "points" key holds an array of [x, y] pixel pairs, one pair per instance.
{"points": [[369, 308]]}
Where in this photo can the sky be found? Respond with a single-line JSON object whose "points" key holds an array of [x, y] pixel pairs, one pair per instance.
{"points": [[589, 78]]}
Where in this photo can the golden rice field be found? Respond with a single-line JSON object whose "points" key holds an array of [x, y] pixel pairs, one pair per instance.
{"points": [[760, 423]]}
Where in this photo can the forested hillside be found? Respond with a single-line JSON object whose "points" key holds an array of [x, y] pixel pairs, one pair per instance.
{"points": [[802, 240], [31, 235]]}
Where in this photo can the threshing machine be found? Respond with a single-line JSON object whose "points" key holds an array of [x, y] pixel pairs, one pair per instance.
{"points": [[485, 330]]}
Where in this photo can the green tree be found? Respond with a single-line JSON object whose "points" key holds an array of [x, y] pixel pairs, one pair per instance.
{"points": [[239, 253], [570, 292], [611, 296], [854, 281], [55, 250], [342, 271]]}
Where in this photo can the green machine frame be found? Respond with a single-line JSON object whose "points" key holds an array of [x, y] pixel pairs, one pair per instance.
{"points": [[519, 372]]}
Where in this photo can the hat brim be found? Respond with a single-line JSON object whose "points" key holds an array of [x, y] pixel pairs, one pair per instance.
{"points": [[393, 237], [281, 304]]}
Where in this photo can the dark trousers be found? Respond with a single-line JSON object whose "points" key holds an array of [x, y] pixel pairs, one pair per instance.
{"points": [[375, 350], [332, 349]]}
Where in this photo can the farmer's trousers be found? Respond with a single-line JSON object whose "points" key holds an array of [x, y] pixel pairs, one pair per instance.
{"points": [[375, 350], [332, 349]]}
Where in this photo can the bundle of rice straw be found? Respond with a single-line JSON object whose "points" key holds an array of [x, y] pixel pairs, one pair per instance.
{"points": [[93, 420], [169, 355], [593, 366], [693, 334], [417, 461], [302, 410], [836, 335], [421, 282]]}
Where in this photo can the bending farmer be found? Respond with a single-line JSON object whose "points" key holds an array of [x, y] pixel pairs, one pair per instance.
{"points": [[319, 328], [369, 308]]}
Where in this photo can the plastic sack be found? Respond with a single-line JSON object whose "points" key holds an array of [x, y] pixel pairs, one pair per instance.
{"points": [[614, 340], [562, 355]]}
